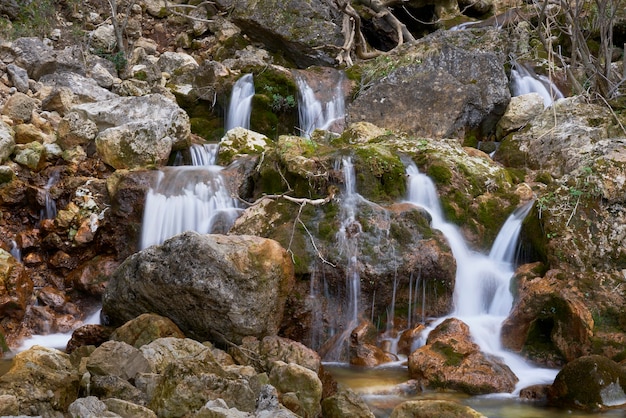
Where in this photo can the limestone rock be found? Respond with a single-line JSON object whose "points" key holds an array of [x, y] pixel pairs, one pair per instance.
{"points": [[292, 378], [116, 358], [238, 285], [590, 383], [145, 329], [267, 405], [521, 110], [88, 335], [451, 360], [89, 407], [43, 380], [188, 383], [240, 141], [304, 37], [411, 87], [128, 409], [19, 77], [163, 351], [116, 387], [549, 312], [33, 55], [433, 409], [63, 90], [137, 131], [274, 348], [219, 409], [20, 108], [345, 403], [7, 141]]}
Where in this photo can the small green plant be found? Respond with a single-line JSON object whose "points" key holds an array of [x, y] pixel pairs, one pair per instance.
{"points": [[118, 58], [34, 18]]}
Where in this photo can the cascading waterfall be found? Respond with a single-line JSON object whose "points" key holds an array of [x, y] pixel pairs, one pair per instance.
{"points": [[15, 251], [524, 81], [240, 107], [49, 211], [312, 113], [188, 198], [482, 298], [347, 239]]}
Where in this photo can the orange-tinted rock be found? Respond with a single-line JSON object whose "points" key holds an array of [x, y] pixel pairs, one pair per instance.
{"points": [[451, 360], [550, 317]]}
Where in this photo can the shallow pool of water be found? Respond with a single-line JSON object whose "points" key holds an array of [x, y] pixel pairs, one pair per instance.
{"points": [[383, 388]]}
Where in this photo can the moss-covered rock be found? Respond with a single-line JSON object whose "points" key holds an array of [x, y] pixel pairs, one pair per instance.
{"points": [[590, 383]]}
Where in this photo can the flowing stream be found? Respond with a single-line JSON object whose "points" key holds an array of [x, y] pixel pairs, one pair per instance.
{"points": [[524, 81], [316, 114], [240, 107], [482, 298]]}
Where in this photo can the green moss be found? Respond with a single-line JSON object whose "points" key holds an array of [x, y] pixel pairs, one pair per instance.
{"points": [[209, 129], [439, 173], [452, 357], [380, 173]]}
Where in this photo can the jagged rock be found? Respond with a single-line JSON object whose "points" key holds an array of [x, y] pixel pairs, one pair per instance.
{"points": [[20, 108], [75, 130], [145, 329], [31, 155], [116, 358], [239, 285], [306, 38], [16, 288], [590, 383], [27, 132], [521, 110], [89, 407], [293, 378], [345, 403], [163, 351], [238, 142], [548, 312], [7, 141], [116, 387], [433, 409], [19, 77], [188, 383], [43, 380], [6, 174], [128, 409], [565, 137], [267, 405], [410, 87], [103, 38], [91, 276], [32, 54], [451, 360], [63, 90], [88, 335], [274, 348], [9, 405], [137, 131], [219, 409]]}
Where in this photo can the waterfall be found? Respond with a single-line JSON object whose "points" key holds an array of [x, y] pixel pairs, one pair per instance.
{"points": [[482, 298], [188, 198], [524, 81], [49, 211], [15, 251], [240, 107], [313, 113]]}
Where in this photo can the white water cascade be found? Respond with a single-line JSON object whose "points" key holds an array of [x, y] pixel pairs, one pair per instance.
{"points": [[482, 298], [524, 81], [188, 198], [240, 106], [313, 113], [49, 211]]}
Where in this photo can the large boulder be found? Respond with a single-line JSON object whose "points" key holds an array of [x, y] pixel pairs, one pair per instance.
{"points": [[224, 287], [62, 90], [306, 32], [590, 383], [43, 381], [136, 131], [550, 320], [434, 409], [451, 360], [442, 86]]}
